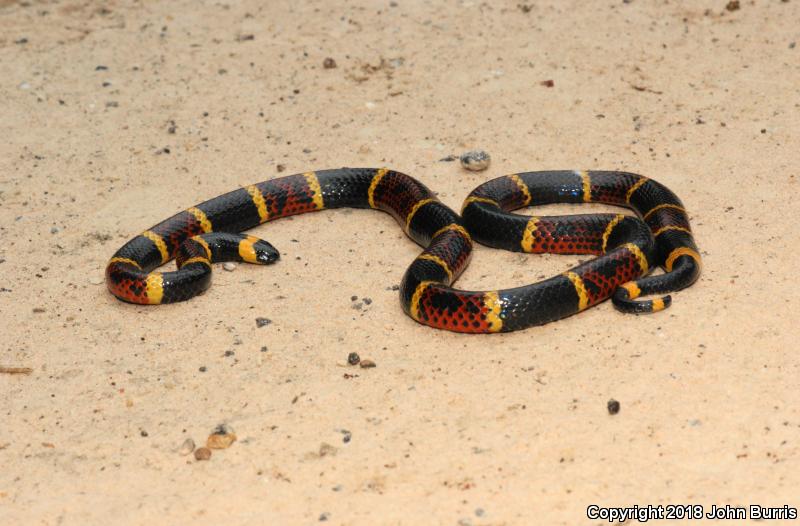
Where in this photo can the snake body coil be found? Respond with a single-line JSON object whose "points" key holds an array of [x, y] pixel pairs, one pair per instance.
{"points": [[625, 246]]}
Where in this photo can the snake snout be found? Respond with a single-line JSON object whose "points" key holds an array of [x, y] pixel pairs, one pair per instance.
{"points": [[265, 252]]}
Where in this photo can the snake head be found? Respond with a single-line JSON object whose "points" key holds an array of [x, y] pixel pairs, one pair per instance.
{"points": [[265, 252]]}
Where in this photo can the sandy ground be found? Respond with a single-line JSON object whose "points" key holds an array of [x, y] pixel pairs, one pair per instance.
{"points": [[115, 115]]}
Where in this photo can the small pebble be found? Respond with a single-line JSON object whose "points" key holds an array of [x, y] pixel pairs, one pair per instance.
{"points": [[202, 369], [367, 301], [222, 437], [448, 159], [323, 517], [329, 63], [215, 441], [143, 433], [96, 280], [230, 266], [262, 322], [353, 358], [733, 5], [547, 83], [367, 364], [54, 230], [263, 348], [202, 453], [475, 160], [187, 447], [613, 407]]}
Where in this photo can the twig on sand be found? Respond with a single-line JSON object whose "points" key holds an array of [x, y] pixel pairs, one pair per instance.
{"points": [[15, 370]]}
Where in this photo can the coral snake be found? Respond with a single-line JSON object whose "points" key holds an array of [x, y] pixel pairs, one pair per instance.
{"points": [[627, 247]]}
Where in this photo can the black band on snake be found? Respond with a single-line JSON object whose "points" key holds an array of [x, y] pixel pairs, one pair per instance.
{"points": [[627, 247]]}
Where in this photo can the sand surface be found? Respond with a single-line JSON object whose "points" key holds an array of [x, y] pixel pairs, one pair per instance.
{"points": [[115, 115]]}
